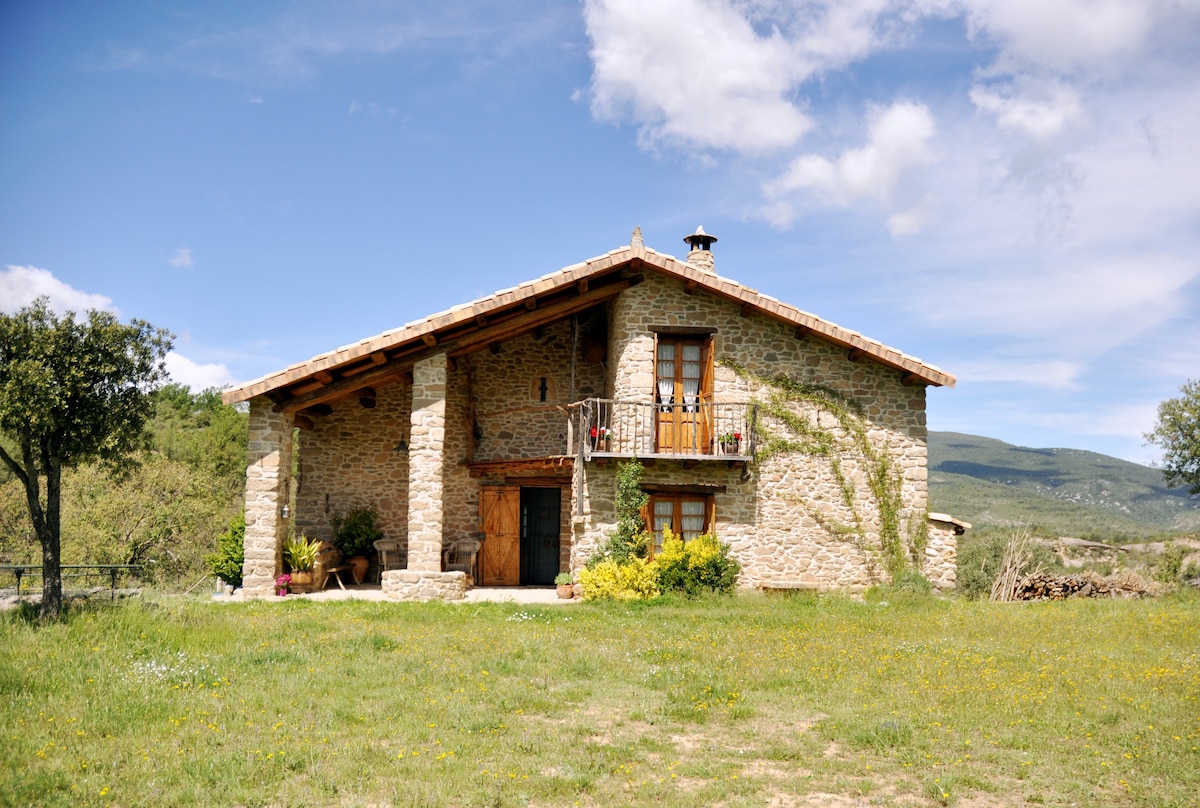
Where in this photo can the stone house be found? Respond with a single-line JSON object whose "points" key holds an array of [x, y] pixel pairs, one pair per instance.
{"points": [[800, 443]]}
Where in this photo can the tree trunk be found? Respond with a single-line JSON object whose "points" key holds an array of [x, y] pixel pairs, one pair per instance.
{"points": [[52, 543], [46, 521]]}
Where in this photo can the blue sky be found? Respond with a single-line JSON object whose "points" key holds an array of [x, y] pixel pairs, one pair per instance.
{"points": [[1007, 189]]}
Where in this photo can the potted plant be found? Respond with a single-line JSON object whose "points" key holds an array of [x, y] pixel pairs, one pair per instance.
{"points": [[730, 441], [282, 584], [301, 556], [563, 585], [601, 437], [355, 535]]}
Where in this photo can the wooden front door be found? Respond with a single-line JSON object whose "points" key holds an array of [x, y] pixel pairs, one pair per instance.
{"points": [[500, 521]]}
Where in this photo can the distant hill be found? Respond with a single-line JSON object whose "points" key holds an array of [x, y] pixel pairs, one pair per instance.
{"points": [[1071, 492]]}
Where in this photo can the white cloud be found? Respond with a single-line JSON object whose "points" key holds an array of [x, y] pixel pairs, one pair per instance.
{"points": [[1085, 305], [1052, 374], [1063, 35], [897, 141], [20, 286], [1040, 113], [913, 220], [182, 258], [694, 74], [195, 375]]}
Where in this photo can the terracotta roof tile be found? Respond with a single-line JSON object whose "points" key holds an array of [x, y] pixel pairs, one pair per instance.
{"points": [[668, 264]]}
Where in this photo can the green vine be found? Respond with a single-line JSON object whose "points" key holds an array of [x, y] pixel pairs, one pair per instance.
{"points": [[807, 436]]}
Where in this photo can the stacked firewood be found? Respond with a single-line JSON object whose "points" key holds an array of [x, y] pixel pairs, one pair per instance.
{"points": [[1087, 584]]}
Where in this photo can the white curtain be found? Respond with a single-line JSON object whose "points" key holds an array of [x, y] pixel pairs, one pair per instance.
{"points": [[666, 391]]}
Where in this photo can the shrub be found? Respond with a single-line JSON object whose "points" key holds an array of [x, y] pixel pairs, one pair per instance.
{"points": [[226, 563], [356, 532], [908, 586], [1170, 566], [635, 579], [979, 559], [912, 581], [692, 567]]}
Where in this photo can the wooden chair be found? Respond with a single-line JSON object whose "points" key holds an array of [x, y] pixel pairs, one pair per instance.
{"points": [[329, 565], [461, 556], [391, 557]]}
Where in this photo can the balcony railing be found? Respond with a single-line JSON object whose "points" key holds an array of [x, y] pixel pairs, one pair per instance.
{"points": [[601, 427]]}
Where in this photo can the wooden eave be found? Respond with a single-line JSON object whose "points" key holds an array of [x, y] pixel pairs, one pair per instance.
{"points": [[556, 466], [509, 313]]}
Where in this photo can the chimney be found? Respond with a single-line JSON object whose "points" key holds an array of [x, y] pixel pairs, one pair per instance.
{"points": [[700, 256]]}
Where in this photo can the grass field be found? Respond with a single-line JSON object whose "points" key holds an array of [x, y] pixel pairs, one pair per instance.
{"points": [[750, 701]]}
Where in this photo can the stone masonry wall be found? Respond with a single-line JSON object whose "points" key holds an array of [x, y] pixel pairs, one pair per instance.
{"points": [[770, 520], [513, 420], [350, 460], [268, 482], [426, 463], [941, 554]]}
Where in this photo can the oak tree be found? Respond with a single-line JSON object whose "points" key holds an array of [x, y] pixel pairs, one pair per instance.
{"points": [[72, 390], [1177, 433]]}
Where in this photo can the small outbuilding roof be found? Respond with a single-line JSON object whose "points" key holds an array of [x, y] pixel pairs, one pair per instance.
{"points": [[503, 315]]}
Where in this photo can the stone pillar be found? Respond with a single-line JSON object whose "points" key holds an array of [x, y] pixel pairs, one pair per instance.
{"points": [[427, 440], [268, 484]]}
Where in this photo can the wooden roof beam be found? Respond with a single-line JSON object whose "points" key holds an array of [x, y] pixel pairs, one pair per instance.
{"points": [[384, 374], [546, 314]]}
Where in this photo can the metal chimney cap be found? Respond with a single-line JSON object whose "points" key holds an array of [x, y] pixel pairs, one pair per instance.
{"points": [[700, 240]]}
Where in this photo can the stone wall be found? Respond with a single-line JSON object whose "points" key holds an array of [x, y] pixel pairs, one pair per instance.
{"points": [[941, 553], [513, 420], [782, 521], [408, 585], [268, 485], [350, 458], [354, 458]]}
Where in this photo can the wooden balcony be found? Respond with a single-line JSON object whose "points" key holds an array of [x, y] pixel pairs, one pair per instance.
{"points": [[602, 428]]}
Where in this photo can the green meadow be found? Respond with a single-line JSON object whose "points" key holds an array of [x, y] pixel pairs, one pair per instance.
{"points": [[737, 702]]}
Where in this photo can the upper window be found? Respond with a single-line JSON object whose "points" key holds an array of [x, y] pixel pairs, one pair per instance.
{"points": [[683, 392]]}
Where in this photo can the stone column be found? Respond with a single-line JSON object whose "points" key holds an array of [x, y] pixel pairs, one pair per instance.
{"points": [[268, 484], [427, 440]]}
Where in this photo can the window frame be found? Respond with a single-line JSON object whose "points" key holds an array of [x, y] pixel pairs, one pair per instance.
{"points": [[677, 498]]}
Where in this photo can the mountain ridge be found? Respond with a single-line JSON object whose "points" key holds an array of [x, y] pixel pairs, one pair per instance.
{"points": [[998, 485]]}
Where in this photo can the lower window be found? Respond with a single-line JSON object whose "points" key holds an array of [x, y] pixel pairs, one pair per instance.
{"points": [[687, 515]]}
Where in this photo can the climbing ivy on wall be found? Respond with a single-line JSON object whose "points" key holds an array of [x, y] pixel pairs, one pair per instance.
{"points": [[800, 433]]}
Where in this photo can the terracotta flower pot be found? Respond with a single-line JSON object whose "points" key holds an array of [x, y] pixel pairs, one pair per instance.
{"points": [[565, 591], [359, 566]]}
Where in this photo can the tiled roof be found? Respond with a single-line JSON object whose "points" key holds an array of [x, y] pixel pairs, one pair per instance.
{"points": [[634, 257]]}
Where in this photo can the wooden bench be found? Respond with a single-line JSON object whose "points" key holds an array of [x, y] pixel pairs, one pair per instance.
{"points": [[19, 571]]}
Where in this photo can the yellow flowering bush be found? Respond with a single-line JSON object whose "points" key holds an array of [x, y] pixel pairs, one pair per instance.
{"points": [[634, 579], [702, 563]]}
